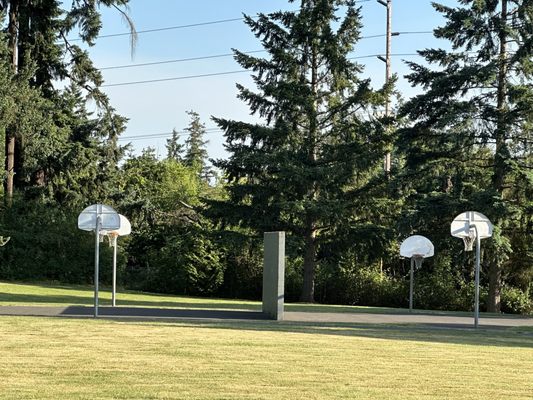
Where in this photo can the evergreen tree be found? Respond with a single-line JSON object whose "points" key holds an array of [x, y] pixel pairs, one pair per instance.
{"points": [[174, 148], [302, 170], [471, 134], [37, 33], [195, 151]]}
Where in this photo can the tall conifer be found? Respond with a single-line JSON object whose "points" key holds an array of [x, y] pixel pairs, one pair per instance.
{"points": [[318, 141], [195, 151], [37, 34], [473, 124]]}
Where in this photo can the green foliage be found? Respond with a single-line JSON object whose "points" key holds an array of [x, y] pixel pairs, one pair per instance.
{"points": [[300, 172], [54, 133], [174, 148], [241, 255], [149, 186], [516, 301], [179, 260], [47, 245], [353, 284], [171, 248], [195, 151], [312, 167], [469, 143], [439, 285]]}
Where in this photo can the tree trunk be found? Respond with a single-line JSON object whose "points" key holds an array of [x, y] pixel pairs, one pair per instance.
{"points": [[10, 166], [308, 288], [493, 304], [501, 154], [10, 134]]}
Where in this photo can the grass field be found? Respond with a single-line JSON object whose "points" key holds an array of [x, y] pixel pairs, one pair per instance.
{"points": [[49, 294], [63, 358]]}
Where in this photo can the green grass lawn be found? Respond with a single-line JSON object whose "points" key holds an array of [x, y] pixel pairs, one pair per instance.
{"points": [[48, 294], [62, 358], [69, 358]]}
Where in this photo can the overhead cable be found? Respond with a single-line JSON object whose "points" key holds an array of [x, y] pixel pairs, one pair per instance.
{"points": [[176, 78], [168, 28]]}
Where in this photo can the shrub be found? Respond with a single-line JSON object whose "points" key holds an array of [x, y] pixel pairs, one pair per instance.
{"points": [[516, 301]]}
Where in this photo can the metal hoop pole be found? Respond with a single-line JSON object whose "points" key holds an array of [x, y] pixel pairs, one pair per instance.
{"points": [[478, 255], [113, 299], [411, 285], [96, 263]]}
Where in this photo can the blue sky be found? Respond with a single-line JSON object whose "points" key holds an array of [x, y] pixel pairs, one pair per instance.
{"points": [[157, 108]]}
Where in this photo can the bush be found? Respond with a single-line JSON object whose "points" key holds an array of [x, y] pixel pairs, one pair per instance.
{"points": [[46, 244], [358, 285], [242, 258], [516, 301], [178, 260]]}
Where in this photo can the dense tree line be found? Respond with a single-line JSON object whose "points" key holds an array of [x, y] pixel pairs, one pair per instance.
{"points": [[312, 168]]}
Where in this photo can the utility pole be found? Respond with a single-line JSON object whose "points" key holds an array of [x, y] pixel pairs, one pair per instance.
{"points": [[387, 61]]}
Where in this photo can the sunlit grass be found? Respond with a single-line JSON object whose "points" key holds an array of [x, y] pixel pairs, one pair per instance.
{"points": [[57, 295], [62, 358], [53, 358]]}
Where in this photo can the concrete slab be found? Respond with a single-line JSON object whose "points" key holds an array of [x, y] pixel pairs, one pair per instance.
{"points": [[307, 317], [426, 319], [133, 312]]}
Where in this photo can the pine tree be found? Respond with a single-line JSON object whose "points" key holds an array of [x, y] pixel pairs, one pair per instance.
{"points": [[34, 27], [195, 151], [473, 123], [302, 169], [174, 148]]}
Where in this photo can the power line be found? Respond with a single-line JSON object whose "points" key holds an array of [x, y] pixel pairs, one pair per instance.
{"points": [[413, 32], [177, 60], [381, 55], [175, 78], [165, 134], [168, 28], [225, 73], [232, 54]]}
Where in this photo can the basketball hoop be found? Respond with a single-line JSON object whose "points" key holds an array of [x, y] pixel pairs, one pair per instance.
{"points": [[112, 235], [98, 218], [416, 248], [472, 226], [469, 241], [111, 238]]}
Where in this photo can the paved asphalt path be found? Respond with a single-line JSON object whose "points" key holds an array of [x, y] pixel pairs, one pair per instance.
{"points": [[307, 317]]}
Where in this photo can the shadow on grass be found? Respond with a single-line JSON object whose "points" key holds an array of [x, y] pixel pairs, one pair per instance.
{"points": [[215, 317], [211, 304], [140, 312], [499, 337], [324, 308], [84, 300]]}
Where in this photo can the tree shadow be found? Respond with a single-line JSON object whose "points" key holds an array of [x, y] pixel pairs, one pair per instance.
{"points": [[253, 320], [84, 300], [150, 312], [450, 333], [432, 333]]}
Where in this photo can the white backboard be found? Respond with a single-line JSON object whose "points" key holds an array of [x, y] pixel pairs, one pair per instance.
{"points": [[125, 228], [463, 225], [109, 219], [417, 246]]}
